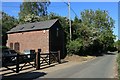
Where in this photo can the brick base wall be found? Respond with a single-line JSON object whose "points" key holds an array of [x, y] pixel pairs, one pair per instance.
{"points": [[30, 40]]}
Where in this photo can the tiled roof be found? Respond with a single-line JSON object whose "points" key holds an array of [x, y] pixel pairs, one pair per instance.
{"points": [[33, 26]]}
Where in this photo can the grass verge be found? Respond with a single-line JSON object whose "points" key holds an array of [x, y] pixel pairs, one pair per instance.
{"points": [[77, 58], [118, 61]]}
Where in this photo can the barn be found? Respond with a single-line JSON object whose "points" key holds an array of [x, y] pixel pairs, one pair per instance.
{"points": [[45, 35]]}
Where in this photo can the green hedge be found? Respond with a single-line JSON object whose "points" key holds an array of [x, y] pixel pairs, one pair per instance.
{"points": [[3, 47], [74, 46], [118, 60]]}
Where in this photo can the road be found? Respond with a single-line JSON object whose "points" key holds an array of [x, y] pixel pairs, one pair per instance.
{"points": [[101, 67]]}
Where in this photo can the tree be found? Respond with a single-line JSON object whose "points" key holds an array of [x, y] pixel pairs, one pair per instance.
{"points": [[32, 18], [75, 26], [97, 25], [94, 30], [8, 22], [33, 8]]}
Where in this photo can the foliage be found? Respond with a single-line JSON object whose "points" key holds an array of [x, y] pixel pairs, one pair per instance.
{"points": [[74, 46], [93, 32], [8, 22], [94, 26], [99, 25], [117, 45], [33, 9], [33, 18], [3, 47], [75, 26], [118, 61]]}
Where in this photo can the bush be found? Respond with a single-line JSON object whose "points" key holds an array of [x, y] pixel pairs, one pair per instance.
{"points": [[3, 47], [118, 60], [73, 47], [112, 49], [117, 45], [119, 48]]}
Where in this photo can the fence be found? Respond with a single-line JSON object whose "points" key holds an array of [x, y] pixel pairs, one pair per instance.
{"points": [[37, 58]]}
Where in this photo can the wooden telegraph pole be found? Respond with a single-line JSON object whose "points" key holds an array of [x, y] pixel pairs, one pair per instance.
{"points": [[69, 18]]}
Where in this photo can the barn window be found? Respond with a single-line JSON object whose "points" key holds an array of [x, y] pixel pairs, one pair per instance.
{"points": [[17, 46], [11, 45], [57, 32]]}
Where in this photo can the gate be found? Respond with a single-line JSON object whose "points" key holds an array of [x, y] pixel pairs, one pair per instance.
{"points": [[16, 60], [37, 58], [47, 58]]}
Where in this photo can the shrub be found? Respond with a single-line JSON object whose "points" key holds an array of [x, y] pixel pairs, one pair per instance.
{"points": [[3, 47], [118, 60], [73, 47], [117, 45]]}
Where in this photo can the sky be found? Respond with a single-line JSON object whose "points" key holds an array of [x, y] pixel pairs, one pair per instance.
{"points": [[60, 8]]}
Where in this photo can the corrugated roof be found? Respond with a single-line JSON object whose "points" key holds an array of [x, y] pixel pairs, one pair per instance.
{"points": [[33, 26]]}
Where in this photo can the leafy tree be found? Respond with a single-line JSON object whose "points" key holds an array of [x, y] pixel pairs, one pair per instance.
{"points": [[75, 26], [8, 22], [33, 8], [95, 29], [32, 18], [98, 26]]}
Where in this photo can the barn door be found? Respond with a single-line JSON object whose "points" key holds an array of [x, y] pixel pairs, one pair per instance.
{"points": [[17, 46]]}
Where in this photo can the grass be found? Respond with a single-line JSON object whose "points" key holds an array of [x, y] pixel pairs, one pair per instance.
{"points": [[3, 47], [118, 61]]}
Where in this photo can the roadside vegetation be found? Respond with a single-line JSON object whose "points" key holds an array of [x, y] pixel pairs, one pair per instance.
{"points": [[117, 44], [118, 61], [92, 33]]}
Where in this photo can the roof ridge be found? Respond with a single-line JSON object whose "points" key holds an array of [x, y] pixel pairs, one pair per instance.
{"points": [[37, 22], [38, 25]]}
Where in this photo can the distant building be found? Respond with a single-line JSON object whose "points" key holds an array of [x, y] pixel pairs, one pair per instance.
{"points": [[45, 35]]}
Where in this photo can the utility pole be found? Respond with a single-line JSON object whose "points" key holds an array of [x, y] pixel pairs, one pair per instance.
{"points": [[69, 19]]}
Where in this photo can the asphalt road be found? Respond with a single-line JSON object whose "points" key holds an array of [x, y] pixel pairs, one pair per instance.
{"points": [[101, 67]]}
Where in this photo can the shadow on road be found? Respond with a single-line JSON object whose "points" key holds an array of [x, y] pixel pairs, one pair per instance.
{"points": [[26, 76]]}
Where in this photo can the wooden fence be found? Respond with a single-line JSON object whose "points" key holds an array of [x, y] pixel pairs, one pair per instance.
{"points": [[37, 58]]}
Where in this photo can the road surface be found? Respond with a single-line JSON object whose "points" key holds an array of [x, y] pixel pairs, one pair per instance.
{"points": [[101, 67]]}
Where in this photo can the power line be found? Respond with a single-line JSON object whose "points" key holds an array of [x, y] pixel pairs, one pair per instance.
{"points": [[69, 8], [72, 9], [74, 12]]}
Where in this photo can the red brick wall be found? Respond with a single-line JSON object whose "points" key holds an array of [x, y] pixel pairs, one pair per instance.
{"points": [[30, 40]]}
